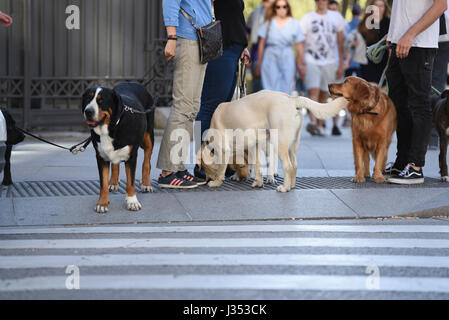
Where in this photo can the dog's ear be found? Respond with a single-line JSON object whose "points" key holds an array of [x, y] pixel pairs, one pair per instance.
{"points": [[117, 99], [363, 94], [445, 94]]}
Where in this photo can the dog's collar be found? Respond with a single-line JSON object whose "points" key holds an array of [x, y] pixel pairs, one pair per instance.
{"points": [[368, 110]]}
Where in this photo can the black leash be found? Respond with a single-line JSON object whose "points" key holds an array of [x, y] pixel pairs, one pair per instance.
{"points": [[74, 150]]}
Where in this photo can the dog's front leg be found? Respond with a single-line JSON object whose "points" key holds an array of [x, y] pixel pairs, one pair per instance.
{"points": [[220, 177], [115, 177], [381, 155], [358, 161], [7, 180], [442, 157], [258, 178], [132, 204], [103, 170]]}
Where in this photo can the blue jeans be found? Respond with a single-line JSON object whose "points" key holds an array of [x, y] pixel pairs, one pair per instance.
{"points": [[219, 84], [439, 76]]}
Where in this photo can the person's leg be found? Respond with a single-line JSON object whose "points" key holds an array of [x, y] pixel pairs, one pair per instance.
{"points": [[439, 78], [312, 84], [329, 76], [439, 73], [417, 70], [399, 95], [187, 85], [219, 84]]}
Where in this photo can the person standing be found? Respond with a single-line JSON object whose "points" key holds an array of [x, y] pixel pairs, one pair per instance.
{"points": [[352, 36], [324, 30], [5, 19], [255, 20], [276, 63], [377, 12], [439, 74], [183, 48], [414, 32], [221, 74]]}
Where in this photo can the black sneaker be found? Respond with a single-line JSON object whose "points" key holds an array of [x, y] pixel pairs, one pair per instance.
{"points": [[391, 170], [336, 131], [408, 176], [172, 181], [187, 176]]}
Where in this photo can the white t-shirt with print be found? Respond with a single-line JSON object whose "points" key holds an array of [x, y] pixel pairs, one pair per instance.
{"points": [[321, 36], [404, 14]]}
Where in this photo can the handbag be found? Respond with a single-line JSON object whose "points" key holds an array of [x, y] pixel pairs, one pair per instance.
{"points": [[210, 39]]}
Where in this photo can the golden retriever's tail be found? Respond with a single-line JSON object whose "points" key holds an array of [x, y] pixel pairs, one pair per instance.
{"points": [[321, 110]]}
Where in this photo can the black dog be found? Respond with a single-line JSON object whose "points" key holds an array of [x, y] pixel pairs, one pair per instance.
{"points": [[13, 136], [121, 121], [440, 109]]}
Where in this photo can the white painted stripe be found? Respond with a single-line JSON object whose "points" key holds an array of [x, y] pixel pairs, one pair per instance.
{"points": [[235, 228], [31, 262], [230, 282], [222, 243]]}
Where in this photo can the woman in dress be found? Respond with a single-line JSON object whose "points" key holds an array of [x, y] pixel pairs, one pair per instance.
{"points": [[278, 35]]}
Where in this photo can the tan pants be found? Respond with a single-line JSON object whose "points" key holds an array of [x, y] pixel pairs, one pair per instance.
{"points": [[187, 86]]}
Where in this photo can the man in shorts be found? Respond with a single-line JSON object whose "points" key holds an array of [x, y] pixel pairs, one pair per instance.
{"points": [[324, 31]]}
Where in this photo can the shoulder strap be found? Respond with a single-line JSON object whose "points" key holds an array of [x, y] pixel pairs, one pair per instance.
{"points": [[187, 17], [190, 20]]}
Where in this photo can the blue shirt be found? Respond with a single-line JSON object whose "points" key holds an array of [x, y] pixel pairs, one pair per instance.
{"points": [[199, 11]]}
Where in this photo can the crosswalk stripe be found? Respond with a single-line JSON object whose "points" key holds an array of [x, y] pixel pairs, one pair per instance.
{"points": [[231, 282], [24, 262], [222, 243], [235, 228]]}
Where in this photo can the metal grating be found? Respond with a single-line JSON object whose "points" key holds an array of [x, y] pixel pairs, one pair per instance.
{"points": [[91, 187]]}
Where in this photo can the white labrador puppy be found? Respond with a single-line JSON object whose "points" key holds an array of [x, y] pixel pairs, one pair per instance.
{"points": [[242, 127]]}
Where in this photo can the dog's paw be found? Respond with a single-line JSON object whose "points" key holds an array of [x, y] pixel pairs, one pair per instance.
{"points": [[358, 180], [276, 175], [113, 187], [445, 179], [101, 208], [380, 179], [270, 180], [282, 189], [215, 183], [146, 189], [257, 184], [132, 204]]}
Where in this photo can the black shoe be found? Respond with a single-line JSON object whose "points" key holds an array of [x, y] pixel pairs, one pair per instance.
{"points": [[172, 181], [391, 170], [408, 176], [336, 131], [187, 176]]}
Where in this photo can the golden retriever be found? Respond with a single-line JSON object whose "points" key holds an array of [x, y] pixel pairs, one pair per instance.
{"points": [[373, 124]]}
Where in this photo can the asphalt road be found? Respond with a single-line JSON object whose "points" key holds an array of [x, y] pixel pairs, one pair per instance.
{"points": [[328, 259]]}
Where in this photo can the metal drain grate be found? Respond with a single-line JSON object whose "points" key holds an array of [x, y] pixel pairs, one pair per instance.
{"points": [[91, 187]]}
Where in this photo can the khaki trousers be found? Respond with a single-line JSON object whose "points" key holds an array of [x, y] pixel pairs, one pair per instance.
{"points": [[188, 81]]}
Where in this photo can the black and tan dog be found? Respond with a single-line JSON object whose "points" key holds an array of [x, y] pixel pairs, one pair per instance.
{"points": [[121, 120], [13, 136], [440, 109]]}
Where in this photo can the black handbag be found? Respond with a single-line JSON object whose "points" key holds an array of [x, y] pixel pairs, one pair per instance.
{"points": [[210, 39]]}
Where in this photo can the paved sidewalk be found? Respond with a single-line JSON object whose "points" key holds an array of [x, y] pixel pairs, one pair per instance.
{"points": [[327, 160]]}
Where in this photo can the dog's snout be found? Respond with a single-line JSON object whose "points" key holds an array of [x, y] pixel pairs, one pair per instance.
{"points": [[89, 112]]}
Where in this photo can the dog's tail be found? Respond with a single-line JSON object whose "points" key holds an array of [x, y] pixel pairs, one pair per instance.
{"points": [[321, 110]]}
